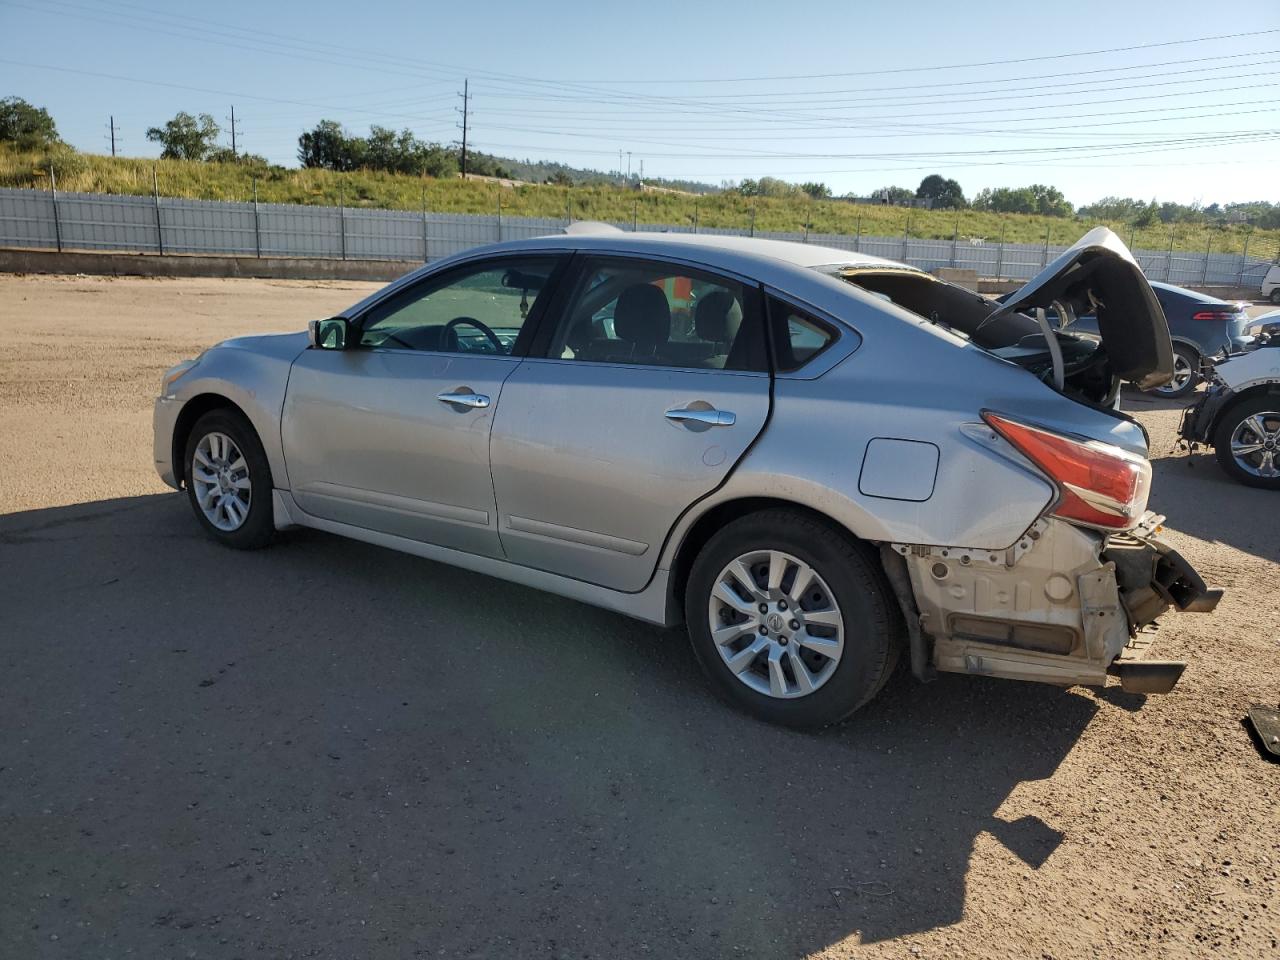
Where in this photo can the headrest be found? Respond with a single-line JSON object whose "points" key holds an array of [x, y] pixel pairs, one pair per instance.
{"points": [[642, 316], [717, 317]]}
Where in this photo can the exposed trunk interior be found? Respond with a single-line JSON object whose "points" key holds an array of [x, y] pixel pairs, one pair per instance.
{"points": [[1087, 371]]}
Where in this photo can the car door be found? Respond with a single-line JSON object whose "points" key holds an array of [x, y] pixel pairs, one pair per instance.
{"points": [[392, 434], [638, 398]]}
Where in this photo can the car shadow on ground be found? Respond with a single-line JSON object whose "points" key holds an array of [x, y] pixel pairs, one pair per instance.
{"points": [[1201, 500], [329, 748]]}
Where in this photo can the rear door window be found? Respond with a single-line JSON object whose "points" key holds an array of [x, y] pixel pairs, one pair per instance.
{"points": [[651, 313]]}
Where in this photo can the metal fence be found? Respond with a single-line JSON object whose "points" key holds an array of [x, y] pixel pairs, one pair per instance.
{"points": [[87, 221]]}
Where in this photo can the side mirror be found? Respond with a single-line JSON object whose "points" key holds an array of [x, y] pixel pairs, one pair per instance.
{"points": [[330, 334]]}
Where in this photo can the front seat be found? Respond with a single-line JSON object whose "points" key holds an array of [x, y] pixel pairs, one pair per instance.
{"points": [[642, 320], [716, 320]]}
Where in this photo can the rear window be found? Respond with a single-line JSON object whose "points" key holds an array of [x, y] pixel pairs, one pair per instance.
{"points": [[798, 336]]}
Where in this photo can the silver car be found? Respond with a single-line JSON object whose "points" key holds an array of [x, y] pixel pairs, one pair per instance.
{"points": [[817, 460]]}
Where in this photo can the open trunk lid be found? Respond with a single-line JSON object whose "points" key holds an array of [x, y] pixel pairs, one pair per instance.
{"points": [[1099, 275]]}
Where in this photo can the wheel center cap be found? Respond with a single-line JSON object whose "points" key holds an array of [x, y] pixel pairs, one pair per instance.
{"points": [[774, 622]]}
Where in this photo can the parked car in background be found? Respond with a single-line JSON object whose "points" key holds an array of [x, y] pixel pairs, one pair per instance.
{"points": [[1239, 414], [1201, 327], [813, 458], [1265, 327], [1271, 284]]}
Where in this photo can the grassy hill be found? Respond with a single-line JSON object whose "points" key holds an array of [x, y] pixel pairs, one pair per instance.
{"points": [[224, 181]]}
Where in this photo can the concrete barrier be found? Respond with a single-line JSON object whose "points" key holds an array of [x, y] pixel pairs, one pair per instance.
{"points": [[198, 265]]}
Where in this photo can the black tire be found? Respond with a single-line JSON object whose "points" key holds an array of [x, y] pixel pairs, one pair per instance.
{"points": [[1190, 356], [872, 621], [1275, 295], [1231, 418], [258, 527]]}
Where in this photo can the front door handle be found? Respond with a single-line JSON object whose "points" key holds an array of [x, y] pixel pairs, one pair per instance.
{"points": [[466, 399], [712, 418]]}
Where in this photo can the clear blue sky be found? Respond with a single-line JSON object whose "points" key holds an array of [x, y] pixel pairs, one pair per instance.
{"points": [[707, 90]]}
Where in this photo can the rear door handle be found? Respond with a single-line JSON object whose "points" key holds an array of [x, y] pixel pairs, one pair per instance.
{"points": [[477, 400], [712, 418]]}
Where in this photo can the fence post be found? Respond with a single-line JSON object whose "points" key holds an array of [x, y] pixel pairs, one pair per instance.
{"points": [[499, 214], [426, 251], [1000, 255], [1168, 257], [568, 210], [57, 223], [1204, 276], [857, 236], [695, 214], [257, 223], [808, 219], [1244, 257], [906, 229], [155, 196], [1044, 258], [342, 218], [955, 237], [635, 214], [753, 219]]}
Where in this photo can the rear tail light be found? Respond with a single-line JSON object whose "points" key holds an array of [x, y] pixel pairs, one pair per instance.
{"points": [[1216, 315], [1099, 485]]}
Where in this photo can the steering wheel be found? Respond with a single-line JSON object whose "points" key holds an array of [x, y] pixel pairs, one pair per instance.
{"points": [[450, 328]]}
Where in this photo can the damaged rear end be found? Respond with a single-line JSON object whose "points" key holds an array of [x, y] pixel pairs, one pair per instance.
{"points": [[1069, 602]]}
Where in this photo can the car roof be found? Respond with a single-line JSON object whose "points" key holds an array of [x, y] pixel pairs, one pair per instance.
{"points": [[781, 263], [1184, 292], [715, 249]]}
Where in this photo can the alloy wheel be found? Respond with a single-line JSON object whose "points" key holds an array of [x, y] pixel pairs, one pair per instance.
{"points": [[1255, 444], [220, 476], [1182, 374], [776, 624]]}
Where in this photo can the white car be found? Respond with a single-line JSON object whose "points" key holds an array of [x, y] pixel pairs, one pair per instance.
{"points": [[1271, 284]]}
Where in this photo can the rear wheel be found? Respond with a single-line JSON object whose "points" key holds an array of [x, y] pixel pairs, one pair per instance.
{"points": [[1186, 366], [1246, 441], [229, 481], [791, 619], [1275, 295]]}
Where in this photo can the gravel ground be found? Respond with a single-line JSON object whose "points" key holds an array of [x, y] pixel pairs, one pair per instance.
{"points": [[329, 750]]}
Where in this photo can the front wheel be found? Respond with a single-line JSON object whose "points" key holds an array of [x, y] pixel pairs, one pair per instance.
{"points": [[1275, 295], [229, 480], [1186, 367], [1246, 442], [791, 619]]}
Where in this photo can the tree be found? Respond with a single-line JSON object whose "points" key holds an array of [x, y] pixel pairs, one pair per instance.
{"points": [[749, 188], [941, 192], [326, 146], [186, 137], [1037, 198], [560, 179], [819, 191], [27, 126]]}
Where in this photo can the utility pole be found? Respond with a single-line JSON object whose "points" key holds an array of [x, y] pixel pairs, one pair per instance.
{"points": [[111, 126], [232, 118], [466, 101], [628, 166], [619, 162], [642, 169]]}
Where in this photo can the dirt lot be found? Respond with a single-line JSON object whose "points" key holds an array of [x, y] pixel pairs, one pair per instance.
{"points": [[329, 750]]}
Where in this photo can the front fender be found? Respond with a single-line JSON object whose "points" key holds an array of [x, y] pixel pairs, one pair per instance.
{"points": [[253, 381]]}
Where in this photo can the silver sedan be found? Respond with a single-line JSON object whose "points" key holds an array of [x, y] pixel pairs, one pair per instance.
{"points": [[818, 461]]}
